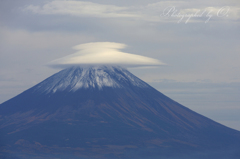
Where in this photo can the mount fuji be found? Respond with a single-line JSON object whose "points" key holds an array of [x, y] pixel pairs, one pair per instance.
{"points": [[107, 112]]}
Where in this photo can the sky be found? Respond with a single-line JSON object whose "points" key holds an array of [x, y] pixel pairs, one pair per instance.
{"points": [[198, 42]]}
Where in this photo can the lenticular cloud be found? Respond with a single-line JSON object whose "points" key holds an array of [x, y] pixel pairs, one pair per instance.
{"points": [[103, 53]]}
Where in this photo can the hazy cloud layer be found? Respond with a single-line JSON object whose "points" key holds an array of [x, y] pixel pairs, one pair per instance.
{"points": [[163, 11], [107, 53]]}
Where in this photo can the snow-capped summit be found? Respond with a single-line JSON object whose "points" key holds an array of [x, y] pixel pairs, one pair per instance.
{"points": [[75, 78]]}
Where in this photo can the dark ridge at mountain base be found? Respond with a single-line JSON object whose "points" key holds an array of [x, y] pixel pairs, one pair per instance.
{"points": [[106, 112], [130, 154]]}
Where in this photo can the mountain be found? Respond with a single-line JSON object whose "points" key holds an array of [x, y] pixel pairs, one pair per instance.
{"points": [[107, 112]]}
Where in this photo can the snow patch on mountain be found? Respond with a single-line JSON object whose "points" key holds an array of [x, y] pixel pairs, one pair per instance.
{"points": [[75, 78]]}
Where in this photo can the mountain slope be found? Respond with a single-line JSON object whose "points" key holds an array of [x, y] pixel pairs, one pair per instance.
{"points": [[104, 110]]}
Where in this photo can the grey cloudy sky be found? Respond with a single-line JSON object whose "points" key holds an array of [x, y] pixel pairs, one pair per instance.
{"points": [[202, 53]]}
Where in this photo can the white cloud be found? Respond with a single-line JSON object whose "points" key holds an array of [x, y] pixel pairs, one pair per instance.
{"points": [[106, 53], [80, 8]]}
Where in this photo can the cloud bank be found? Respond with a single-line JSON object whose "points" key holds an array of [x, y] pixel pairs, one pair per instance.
{"points": [[164, 11], [103, 53]]}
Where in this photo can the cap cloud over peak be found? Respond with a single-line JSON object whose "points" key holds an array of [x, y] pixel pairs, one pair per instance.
{"points": [[103, 53]]}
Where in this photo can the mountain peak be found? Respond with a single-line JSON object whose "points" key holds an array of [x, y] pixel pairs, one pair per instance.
{"points": [[75, 78], [107, 112]]}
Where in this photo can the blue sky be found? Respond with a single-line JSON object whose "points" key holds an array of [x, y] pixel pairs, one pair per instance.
{"points": [[201, 53]]}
